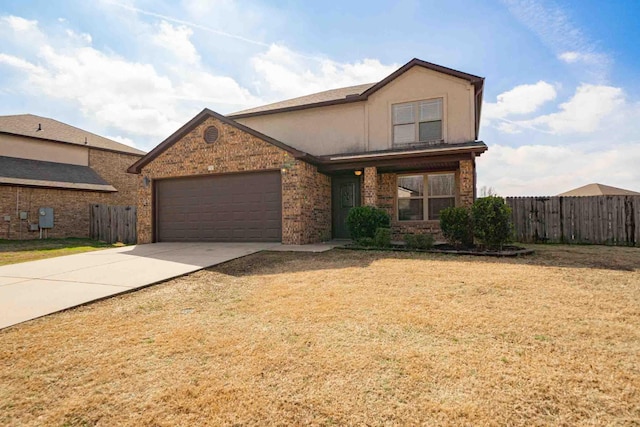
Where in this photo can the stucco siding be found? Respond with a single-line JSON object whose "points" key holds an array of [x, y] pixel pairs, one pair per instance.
{"points": [[29, 148], [317, 131]]}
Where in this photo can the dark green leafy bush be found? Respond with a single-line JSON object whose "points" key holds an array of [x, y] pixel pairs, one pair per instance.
{"points": [[366, 242], [425, 241], [457, 226], [419, 241], [491, 221], [383, 237], [363, 221]]}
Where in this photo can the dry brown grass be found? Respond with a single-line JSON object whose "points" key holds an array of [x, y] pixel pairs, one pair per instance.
{"points": [[344, 338]]}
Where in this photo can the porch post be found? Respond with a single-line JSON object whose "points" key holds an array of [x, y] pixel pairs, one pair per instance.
{"points": [[467, 182], [371, 186]]}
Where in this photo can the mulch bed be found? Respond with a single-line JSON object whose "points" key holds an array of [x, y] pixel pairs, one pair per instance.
{"points": [[444, 248]]}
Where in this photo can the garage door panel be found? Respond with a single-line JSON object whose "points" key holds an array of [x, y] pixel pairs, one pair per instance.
{"points": [[235, 207]]}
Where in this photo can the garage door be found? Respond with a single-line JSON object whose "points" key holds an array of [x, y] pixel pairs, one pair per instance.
{"points": [[223, 208]]}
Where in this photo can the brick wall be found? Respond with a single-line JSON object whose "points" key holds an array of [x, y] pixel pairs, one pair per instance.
{"points": [[70, 207], [113, 168], [306, 194]]}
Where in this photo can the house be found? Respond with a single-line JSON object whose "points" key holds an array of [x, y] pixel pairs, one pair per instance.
{"points": [[598, 190], [291, 171], [48, 164]]}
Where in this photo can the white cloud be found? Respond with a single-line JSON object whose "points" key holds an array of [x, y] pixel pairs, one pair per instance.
{"points": [[122, 140], [585, 111], [542, 170], [176, 40], [19, 24], [521, 99], [590, 109], [283, 73]]}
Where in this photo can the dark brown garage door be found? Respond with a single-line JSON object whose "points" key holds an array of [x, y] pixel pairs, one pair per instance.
{"points": [[222, 208]]}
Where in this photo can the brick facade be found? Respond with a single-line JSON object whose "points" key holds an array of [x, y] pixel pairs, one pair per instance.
{"points": [[70, 207], [306, 193]]}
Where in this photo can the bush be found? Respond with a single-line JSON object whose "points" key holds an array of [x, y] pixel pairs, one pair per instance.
{"points": [[456, 226], [491, 221], [425, 241], [383, 237], [366, 242], [419, 241], [363, 221]]}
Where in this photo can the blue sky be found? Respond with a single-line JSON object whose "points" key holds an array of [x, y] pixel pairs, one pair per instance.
{"points": [[562, 96]]}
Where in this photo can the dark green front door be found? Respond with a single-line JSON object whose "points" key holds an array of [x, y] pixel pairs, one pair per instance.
{"points": [[345, 194]]}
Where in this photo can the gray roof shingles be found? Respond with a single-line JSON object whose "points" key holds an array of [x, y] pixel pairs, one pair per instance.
{"points": [[15, 170], [49, 129]]}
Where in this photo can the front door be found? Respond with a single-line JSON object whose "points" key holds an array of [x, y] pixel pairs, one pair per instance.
{"points": [[345, 194]]}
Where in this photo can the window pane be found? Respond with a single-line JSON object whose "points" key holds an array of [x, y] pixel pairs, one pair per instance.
{"points": [[436, 205], [410, 209], [410, 186], [403, 113], [403, 134], [431, 131], [442, 185], [430, 110]]}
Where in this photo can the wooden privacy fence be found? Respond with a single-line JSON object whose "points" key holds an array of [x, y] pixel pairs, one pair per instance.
{"points": [[613, 220], [113, 223]]}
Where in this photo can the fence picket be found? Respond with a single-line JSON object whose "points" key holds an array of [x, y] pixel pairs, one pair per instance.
{"points": [[113, 223], [597, 220]]}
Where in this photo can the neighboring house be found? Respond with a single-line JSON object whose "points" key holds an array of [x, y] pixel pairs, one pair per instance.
{"points": [[291, 171], [598, 190], [48, 164]]}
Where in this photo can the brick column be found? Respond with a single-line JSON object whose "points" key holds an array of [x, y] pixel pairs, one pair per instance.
{"points": [[371, 186], [467, 182]]}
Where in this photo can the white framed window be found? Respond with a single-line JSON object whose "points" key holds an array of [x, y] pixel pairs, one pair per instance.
{"points": [[419, 121], [422, 197]]}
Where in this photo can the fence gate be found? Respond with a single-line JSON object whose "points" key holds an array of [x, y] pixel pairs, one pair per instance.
{"points": [[113, 224], [612, 220]]}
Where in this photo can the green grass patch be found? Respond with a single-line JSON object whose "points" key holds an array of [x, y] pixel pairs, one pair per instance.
{"points": [[15, 251]]}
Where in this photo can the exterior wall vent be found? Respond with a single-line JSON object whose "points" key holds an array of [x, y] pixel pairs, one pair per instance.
{"points": [[211, 135]]}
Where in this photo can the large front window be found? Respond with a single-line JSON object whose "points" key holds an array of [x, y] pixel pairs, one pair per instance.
{"points": [[422, 197], [419, 121]]}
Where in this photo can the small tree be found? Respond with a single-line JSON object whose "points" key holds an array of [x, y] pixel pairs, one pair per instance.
{"points": [[363, 221], [491, 221], [456, 226]]}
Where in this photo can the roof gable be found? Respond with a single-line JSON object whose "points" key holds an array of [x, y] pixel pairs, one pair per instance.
{"points": [[47, 129], [197, 120]]}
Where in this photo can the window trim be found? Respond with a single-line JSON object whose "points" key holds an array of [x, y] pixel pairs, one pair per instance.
{"points": [[425, 196], [416, 121]]}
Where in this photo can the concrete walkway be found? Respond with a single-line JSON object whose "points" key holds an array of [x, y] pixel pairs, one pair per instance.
{"points": [[33, 289]]}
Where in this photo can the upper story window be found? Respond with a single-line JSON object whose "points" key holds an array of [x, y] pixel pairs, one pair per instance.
{"points": [[419, 121]]}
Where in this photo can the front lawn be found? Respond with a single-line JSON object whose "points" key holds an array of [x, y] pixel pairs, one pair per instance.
{"points": [[15, 251], [344, 338]]}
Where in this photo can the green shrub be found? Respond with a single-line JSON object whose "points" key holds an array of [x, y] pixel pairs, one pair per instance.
{"points": [[383, 237], [366, 242], [456, 226], [410, 241], [425, 241], [363, 221], [491, 221], [419, 241]]}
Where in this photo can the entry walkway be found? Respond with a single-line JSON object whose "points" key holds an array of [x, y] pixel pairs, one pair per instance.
{"points": [[37, 288]]}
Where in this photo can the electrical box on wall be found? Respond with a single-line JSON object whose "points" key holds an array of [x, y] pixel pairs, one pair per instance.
{"points": [[23, 215], [45, 217]]}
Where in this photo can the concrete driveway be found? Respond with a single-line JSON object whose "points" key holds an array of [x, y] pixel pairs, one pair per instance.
{"points": [[33, 289]]}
